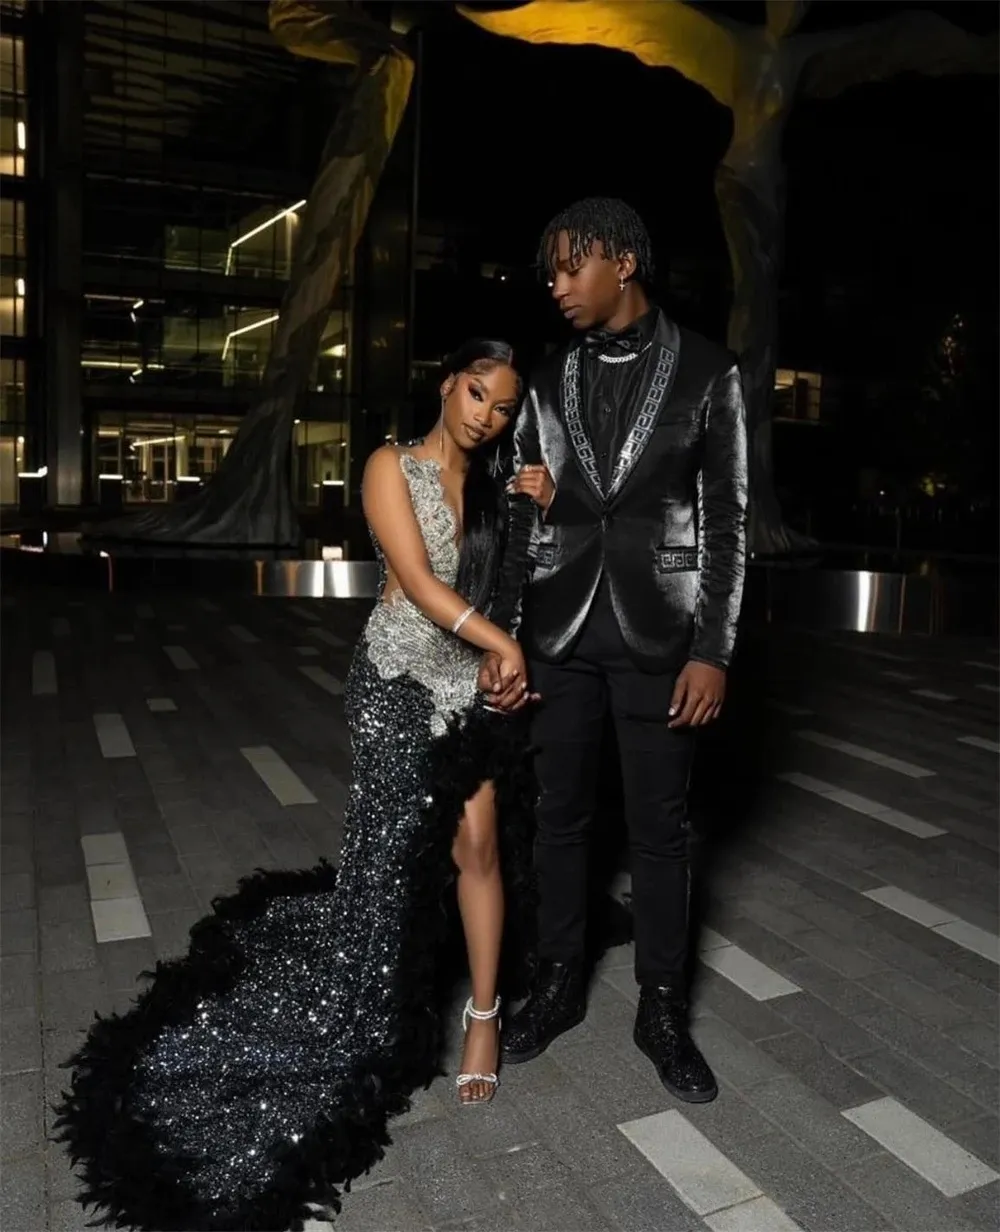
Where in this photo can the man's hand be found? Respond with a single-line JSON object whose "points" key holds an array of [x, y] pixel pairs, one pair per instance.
{"points": [[536, 482], [502, 693], [698, 695]]}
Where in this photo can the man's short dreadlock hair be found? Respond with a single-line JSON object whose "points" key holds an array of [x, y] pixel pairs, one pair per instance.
{"points": [[613, 222]]}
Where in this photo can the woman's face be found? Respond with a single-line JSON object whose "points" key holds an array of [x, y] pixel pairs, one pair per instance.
{"points": [[479, 403]]}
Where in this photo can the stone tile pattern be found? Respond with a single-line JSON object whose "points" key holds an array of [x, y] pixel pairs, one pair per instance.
{"points": [[877, 1007]]}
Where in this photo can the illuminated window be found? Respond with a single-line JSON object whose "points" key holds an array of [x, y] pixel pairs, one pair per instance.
{"points": [[264, 244], [13, 112], [11, 427], [11, 304], [797, 395], [158, 454], [12, 284], [319, 457], [11, 229]]}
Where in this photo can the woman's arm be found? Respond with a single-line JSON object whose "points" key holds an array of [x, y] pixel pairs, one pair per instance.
{"points": [[385, 496]]}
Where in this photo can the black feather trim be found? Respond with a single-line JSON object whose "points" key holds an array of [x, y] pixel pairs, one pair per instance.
{"points": [[126, 1174]]}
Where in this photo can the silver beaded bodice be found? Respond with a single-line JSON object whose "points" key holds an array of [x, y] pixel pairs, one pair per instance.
{"points": [[400, 638]]}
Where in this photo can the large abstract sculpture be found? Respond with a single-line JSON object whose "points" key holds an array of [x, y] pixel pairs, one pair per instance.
{"points": [[758, 73], [248, 502]]}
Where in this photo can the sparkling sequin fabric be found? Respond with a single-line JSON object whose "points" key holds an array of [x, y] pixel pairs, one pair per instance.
{"points": [[307, 1015], [257, 1075], [401, 640]]}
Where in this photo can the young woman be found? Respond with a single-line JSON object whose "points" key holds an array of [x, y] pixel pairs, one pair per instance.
{"points": [[257, 1074]]}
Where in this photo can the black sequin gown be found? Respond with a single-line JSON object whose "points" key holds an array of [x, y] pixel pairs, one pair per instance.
{"points": [[255, 1077]]}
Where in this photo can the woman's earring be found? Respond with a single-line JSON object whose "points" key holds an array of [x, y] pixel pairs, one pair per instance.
{"points": [[442, 427], [621, 282]]}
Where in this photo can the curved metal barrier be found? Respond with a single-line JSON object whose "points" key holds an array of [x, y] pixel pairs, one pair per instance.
{"points": [[812, 596], [867, 601]]}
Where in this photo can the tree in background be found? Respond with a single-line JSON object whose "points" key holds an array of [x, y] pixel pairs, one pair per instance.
{"points": [[758, 73]]}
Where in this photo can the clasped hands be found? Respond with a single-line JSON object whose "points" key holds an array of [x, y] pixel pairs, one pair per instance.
{"points": [[699, 690]]}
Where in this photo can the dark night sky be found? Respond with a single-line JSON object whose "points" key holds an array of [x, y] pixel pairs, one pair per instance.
{"points": [[893, 184]]}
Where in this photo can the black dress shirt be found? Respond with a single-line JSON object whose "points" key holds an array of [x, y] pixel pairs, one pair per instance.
{"points": [[612, 390]]}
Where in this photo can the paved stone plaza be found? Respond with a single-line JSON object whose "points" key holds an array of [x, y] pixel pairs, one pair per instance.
{"points": [[158, 747]]}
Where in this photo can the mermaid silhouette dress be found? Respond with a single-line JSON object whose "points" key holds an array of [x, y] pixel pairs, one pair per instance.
{"points": [[254, 1078]]}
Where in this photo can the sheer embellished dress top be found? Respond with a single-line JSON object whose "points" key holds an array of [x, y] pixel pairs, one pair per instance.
{"points": [[400, 639]]}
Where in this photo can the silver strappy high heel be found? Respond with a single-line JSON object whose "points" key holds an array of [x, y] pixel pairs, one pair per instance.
{"points": [[491, 1080]]}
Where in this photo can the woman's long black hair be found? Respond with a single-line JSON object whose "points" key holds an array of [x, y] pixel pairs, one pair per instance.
{"points": [[484, 499]]}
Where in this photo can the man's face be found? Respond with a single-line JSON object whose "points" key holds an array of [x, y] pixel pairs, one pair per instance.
{"points": [[586, 289]]}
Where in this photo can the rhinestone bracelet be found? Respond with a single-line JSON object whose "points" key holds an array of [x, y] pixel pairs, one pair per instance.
{"points": [[462, 619]]}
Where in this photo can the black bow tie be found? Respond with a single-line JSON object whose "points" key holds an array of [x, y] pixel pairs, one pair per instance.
{"points": [[625, 340]]}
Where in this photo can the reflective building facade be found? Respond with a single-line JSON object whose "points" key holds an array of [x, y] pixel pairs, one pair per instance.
{"points": [[155, 159]]}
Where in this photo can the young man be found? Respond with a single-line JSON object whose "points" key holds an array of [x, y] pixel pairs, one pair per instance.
{"points": [[632, 442]]}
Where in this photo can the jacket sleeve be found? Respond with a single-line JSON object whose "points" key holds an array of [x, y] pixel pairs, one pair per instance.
{"points": [[522, 517], [722, 506]]}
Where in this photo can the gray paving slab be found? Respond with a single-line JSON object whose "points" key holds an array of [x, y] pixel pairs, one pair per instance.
{"points": [[16, 857], [922, 1044], [737, 1060], [614, 1077], [981, 1136], [839, 1034], [17, 890], [64, 904], [63, 1181], [561, 1208], [170, 931], [14, 827], [930, 1095], [70, 998], [384, 1208], [21, 1123], [935, 1009], [568, 1122], [982, 1205], [170, 891], [18, 982], [22, 1194], [18, 931], [65, 1216], [904, 1198], [210, 868], [20, 1041], [811, 1121], [67, 947], [645, 1202], [154, 858], [518, 1172], [806, 1059], [445, 1182], [122, 962], [979, 1039], [755, 1020], [812, 1195]]}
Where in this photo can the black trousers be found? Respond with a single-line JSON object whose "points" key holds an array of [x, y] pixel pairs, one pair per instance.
{"points": [[655, 763]]}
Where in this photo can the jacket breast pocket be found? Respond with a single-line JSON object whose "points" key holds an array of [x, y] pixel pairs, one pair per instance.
{"points": [[676, 560]]}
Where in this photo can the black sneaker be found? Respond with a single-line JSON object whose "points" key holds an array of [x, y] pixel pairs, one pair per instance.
{"points": [[661, 1032], [557, 1003]]}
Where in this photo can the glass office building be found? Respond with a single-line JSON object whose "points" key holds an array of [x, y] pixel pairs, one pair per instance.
{"points": [[155, 161], [14, 195]]}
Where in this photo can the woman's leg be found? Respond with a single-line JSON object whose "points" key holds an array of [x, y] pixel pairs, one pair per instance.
{"points": [[480, 900]]}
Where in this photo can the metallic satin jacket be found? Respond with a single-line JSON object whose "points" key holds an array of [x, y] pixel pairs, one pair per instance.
{"points": [[668, 531]]}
